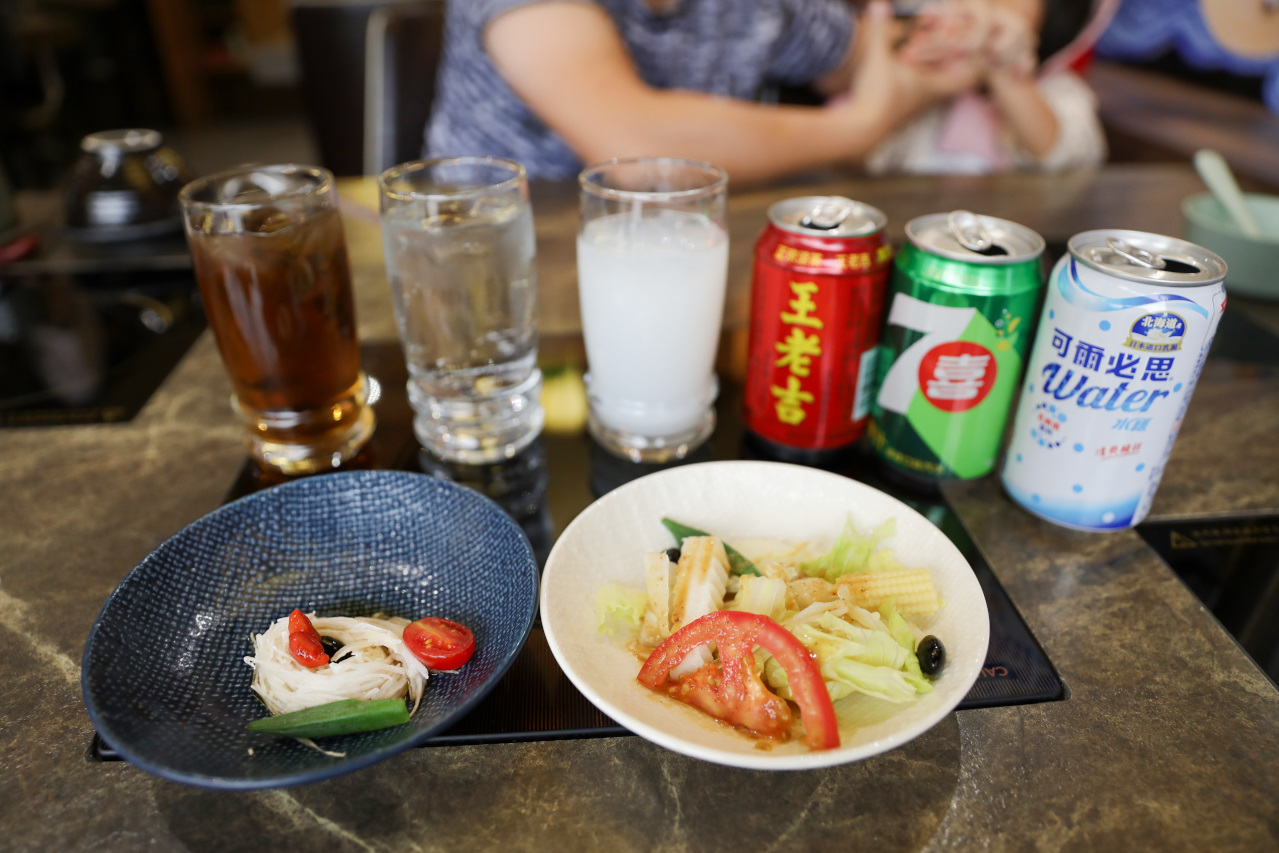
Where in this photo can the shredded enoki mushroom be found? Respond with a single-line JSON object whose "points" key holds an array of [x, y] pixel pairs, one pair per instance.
{"points": [[373, 663]]}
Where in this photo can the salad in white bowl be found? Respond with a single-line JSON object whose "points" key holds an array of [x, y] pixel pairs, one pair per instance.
{"points": [[764, 615]]}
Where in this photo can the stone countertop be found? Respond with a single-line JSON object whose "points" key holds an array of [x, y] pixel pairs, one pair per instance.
{"points": [[1168, 740]]}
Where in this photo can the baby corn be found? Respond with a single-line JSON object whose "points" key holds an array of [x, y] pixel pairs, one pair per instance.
{"points": [[910, 589]]}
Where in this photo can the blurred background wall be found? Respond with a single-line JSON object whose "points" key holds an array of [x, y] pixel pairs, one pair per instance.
{"points": [[233, 80]]}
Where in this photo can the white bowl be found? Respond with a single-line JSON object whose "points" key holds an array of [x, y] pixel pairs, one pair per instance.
{"points": [[738, 501]]}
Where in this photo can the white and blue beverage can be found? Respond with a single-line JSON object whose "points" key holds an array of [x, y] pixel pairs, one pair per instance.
{"points": [[1124, 332]]}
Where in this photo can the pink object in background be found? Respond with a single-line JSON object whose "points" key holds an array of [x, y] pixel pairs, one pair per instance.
{"points": [[972, 127]]}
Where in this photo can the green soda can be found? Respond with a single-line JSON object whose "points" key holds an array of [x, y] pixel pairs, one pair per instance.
{"points": [[965, 294]]}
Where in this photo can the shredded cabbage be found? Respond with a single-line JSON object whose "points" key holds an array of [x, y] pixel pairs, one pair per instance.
{"points": [[762, 595], [900, 630], [854, 658], [854, 552]]}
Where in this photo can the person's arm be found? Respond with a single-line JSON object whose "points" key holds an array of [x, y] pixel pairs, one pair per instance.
{"points": [[1080, 141], [1011, 78], [839, 79], [569, 64], [1027, 115]]}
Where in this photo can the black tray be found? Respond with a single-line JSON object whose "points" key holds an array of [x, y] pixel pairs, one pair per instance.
{"points": [[535, 700]]}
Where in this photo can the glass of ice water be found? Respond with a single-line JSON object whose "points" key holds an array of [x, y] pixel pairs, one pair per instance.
{"points": [[460, 253], [652, 263]]}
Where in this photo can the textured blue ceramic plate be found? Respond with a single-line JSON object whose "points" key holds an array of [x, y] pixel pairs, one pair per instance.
{"points": [[164, 676]]}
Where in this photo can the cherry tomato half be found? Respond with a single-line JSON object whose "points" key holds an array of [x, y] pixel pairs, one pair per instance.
{"points": [[440, 643]]}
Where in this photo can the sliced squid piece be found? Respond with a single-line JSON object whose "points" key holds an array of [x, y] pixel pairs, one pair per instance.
{"points": [[657, 612], [701, 578]]}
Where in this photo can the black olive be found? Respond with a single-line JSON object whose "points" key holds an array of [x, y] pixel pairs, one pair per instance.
{"points": [[331, 646], [672, 554], [932, 656]]}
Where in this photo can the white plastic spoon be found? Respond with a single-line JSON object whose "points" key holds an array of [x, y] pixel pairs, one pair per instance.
{"points": [[1212, 167]]}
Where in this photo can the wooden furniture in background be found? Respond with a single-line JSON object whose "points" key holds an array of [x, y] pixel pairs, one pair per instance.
{"points": [[179, 43], [203, 45], [1150, 116]]}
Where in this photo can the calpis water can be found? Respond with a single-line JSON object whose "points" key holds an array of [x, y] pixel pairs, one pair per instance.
{"points": [[1125, 329], [964, 295], [817, 302]]}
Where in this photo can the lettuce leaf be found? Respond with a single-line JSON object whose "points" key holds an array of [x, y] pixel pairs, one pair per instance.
{"points": [[619, 610], [854, 552], [905, 638], [765, 596], [856, 659]]}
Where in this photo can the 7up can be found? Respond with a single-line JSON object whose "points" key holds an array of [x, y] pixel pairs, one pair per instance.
{"points": [[964, 296]]}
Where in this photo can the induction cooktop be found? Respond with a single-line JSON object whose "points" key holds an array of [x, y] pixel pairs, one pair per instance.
{"points": [[90, 346]]}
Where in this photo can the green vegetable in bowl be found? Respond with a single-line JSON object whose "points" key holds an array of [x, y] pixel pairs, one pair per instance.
{"points": [[344, 717], [738, 564], [619, 609], [855, 552]]}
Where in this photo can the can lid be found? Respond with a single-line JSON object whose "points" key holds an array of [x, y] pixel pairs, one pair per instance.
{"points": [[827, 216], [964, 236], [1140, 256]]}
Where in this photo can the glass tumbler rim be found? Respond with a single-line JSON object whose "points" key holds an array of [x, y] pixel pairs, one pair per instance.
{"points": [[718, 179], [519, 176], [322, 185]]}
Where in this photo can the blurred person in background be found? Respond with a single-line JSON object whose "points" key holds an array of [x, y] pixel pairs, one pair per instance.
{"points": [[1015, 112], [554, 84]]}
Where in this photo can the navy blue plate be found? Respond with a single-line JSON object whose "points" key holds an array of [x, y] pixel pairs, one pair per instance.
{"points": [[164, 677]]}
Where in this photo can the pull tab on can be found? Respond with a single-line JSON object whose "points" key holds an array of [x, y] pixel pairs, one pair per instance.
{"points": [[828, 214], [968, 230], [1134, 255]]}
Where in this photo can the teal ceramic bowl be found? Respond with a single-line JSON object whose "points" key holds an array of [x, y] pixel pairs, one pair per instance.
{"points": [[1253, 262]]}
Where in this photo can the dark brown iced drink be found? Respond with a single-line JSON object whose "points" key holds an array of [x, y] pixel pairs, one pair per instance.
{"points": [[271, 262]]}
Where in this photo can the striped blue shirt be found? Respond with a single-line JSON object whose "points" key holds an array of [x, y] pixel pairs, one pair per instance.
{"points": [[722, 47]]}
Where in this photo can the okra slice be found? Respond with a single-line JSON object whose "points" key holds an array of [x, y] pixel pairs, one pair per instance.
{"points": [[738, 564], [343, 717]]}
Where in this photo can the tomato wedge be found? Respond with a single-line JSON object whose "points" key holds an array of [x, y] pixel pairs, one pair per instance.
{"points": [[732, 691], [439, 643], [304, 641]]}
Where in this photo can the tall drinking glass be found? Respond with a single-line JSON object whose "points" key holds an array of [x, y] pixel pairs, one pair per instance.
{"points": [[271, 263], [460, 253], [652, 263]]}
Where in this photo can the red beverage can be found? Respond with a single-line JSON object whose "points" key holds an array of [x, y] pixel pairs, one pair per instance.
{"points": [[817, 303]]}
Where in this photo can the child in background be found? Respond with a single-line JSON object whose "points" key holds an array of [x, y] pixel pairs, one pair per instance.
{"points": [[1015, 114]]}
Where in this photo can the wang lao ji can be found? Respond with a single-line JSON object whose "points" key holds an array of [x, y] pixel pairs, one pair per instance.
{"points": [[964, 296], [1124, 332], [817, 301]]}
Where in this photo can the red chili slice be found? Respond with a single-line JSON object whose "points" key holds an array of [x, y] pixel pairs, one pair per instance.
{"points": [[732, 691], [304, 641]]}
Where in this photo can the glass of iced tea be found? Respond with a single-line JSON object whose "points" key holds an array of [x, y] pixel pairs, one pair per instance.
{"points": [[270, 259]]}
